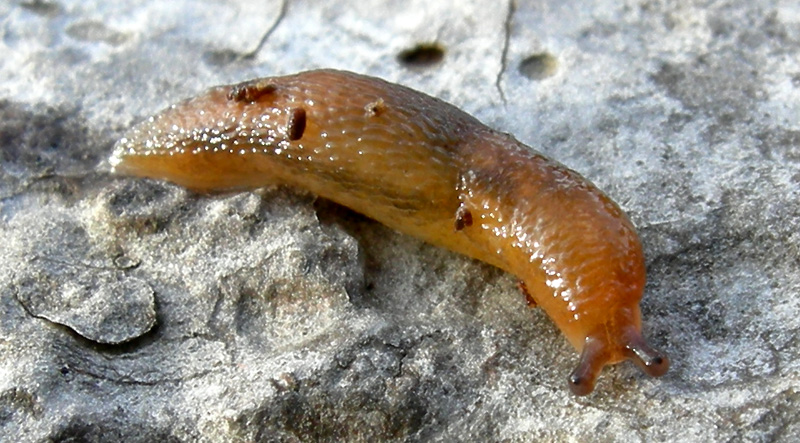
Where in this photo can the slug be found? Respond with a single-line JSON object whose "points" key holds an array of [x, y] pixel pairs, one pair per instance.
{"points": [[427, 169]]}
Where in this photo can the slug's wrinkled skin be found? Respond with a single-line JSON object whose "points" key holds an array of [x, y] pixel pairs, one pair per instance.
{"points": [[425, 168]]}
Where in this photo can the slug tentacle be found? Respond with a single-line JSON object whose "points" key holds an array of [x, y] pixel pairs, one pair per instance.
{"points": [[602, 349], [653, 362], [425, 168], [593, 359]]}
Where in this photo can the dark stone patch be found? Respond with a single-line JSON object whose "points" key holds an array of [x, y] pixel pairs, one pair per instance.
{"points": [[93, 31], [43, 142], [42, 7], [539, 66], [423, 55]]}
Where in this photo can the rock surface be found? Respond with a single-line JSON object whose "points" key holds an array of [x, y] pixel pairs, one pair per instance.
{"points": [[136, 311]]}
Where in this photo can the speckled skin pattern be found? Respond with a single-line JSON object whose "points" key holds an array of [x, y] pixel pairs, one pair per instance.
{"points": [[425, 168]]}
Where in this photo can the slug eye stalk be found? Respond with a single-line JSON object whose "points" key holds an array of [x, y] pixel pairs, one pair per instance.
{"points": [[597, 354], [653, 362]]}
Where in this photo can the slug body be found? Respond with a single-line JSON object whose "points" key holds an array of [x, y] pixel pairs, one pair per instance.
{"points": [[425, 168]]}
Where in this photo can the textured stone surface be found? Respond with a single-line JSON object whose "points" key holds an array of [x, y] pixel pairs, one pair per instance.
{"points": [[136, 311]]}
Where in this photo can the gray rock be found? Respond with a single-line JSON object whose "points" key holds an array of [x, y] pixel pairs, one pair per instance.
{"points": [[134, 310], [67, 281]]}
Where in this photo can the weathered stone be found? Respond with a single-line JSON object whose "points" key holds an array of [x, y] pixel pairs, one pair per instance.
{"points": [[271, 316]]}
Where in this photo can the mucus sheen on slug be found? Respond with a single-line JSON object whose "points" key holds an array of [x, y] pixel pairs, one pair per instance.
{"points": [[425, 168]]}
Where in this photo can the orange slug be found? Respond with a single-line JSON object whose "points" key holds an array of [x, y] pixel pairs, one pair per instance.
{"points": [[425, 168]]}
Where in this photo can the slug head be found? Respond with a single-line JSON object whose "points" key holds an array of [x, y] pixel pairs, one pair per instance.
{"points": [[216, 141], [616, 340]]}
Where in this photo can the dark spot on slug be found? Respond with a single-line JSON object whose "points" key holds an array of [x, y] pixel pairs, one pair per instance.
{"points": [[528, 298], [421, 55], [539, 66], [297, 124], [463, 218], [250, 91], [375, 108]]}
